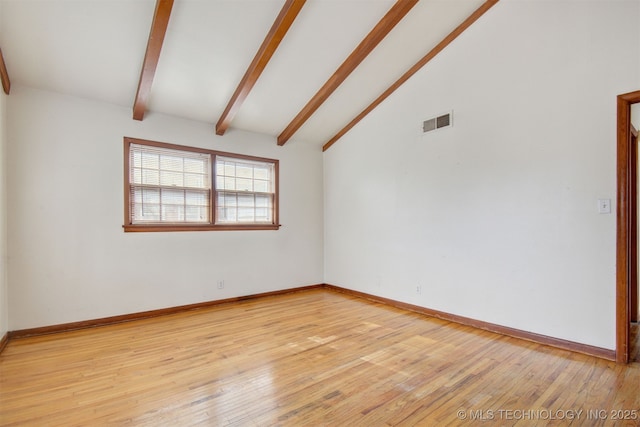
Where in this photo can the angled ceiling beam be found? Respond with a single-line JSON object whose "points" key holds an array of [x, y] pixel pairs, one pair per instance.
{"points": [[152, 55], [278, 30], [375, 36], [4, 75], [428, 57]]}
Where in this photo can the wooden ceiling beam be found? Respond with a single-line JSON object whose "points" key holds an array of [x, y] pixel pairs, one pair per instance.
{"points": [[278, 30], [428, 57], [366, 46], [4, 75], [152, 55]]}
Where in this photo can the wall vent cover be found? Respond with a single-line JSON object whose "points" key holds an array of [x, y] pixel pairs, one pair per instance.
{"points": [[438, 122]]}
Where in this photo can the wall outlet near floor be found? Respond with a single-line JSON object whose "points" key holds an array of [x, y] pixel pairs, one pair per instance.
{"points": [[604, 206], [418, 289], [220, 284]]}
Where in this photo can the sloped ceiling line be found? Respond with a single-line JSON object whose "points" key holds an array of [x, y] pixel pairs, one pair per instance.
{"points": [[414, 69], [152, 55], [398, 11], [4, 75], [271, 42]]}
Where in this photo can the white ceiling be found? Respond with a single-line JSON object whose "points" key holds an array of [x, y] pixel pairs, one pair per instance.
{"points": [[95, 48]]}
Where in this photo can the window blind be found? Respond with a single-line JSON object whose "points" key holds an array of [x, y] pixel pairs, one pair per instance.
{"points": [[169, 186]]}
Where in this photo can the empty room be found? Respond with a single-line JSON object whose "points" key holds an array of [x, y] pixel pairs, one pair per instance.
{"points": [[319, 213]]}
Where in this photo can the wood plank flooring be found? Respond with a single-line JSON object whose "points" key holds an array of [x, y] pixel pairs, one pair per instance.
{"points": [[312, 358]]}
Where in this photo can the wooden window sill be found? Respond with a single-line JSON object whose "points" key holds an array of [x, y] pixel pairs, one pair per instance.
{"points": [[196, 227]]}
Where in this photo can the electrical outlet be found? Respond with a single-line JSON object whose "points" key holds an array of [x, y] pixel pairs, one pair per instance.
{"points": [[220, 284], [604, 206], [419, 289]]}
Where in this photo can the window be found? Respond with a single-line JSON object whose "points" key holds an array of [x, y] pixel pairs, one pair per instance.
{"points": [[244, 190], [175, 188]]}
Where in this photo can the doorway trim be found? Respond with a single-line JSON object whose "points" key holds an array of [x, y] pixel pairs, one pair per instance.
{"points": [[633, 254], [624, 215]]}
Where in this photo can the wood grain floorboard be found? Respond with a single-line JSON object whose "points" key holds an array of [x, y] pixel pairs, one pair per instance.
{"points": [[311, 358]]}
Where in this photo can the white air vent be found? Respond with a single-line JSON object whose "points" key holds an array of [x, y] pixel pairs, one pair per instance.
{"points": [[438, 122]]}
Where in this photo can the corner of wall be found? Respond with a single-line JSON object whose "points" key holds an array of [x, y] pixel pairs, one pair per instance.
{"points": [[4, 304], [4, 300]]}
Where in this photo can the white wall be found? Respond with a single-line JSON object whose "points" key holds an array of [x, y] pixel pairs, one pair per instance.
{"points": [[4, 299], [495, 218], [635, 115], [70, 259]]}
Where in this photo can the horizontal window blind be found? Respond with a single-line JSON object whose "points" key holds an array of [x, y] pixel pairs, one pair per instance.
{"points": [[169, 186]]}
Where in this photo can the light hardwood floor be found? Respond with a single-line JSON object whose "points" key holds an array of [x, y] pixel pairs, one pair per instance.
{"points": [[312, 358]]}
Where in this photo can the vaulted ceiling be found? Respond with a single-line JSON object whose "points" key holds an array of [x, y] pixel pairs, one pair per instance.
{"points": [[299, 69]]}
